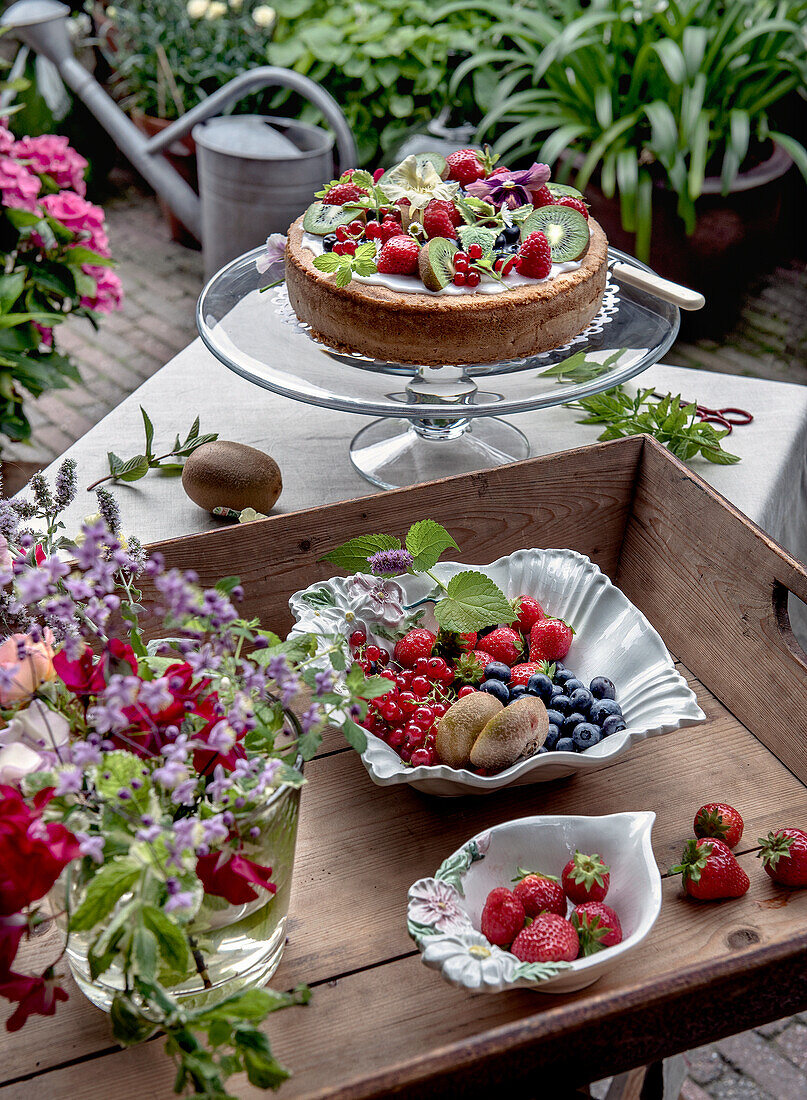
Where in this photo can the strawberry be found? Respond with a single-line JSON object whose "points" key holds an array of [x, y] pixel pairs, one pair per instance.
{"points": [[597, 926], [440, 219], [502, 917], [535, 256], [342, 193], [482, 656], [504, 644], [542, 197], [550, 640], [465, 166], [720, 820], [470, 668], [784, 856], [417, 643], [585, 878], [520, 674], [550, 938], [539, 893], [529, 612], [573, 202], [398, 256], [710, 871]]}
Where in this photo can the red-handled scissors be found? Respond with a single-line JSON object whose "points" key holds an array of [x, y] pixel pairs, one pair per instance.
{"points": [[727, 418]]}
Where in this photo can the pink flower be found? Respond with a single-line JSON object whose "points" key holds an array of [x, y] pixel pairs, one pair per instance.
{"points": [[46, 334], [26, 664], [6, 137], [33, 995], [108, 290], [18, 186], [52, 155], [80, 216], [6, 560]]}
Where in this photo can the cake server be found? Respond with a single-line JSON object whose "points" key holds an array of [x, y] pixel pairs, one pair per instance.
{"points": [[668, 291]]}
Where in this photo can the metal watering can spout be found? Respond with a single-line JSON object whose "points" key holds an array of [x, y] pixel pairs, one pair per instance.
{"points": [[42, 25]]}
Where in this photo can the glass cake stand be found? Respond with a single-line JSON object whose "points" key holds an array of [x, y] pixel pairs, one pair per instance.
{"points": [[433, 421]]}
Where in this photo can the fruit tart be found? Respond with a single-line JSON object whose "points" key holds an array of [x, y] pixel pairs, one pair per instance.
{"points": [[446, 260]]}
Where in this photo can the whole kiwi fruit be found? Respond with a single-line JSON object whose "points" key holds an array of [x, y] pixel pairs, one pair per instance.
{"points": [[460, 726], [508, 733]]}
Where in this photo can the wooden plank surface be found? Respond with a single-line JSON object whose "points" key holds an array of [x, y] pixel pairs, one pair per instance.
{"points": [[359, 849]]}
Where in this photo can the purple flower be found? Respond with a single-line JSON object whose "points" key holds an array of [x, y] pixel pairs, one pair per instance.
{"points": [[177, 897], [69, 781], [389, 563], [275, 250], [92, 846], [219, 785], [511, 189], [323, 682]]}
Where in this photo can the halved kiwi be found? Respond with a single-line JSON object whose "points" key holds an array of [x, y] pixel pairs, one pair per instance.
{"points": [[436, 263], [566, 230], [436, 159], [322, 219]]}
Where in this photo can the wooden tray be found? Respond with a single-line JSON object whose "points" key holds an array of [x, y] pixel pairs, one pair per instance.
{"points": [[380, 1023]]}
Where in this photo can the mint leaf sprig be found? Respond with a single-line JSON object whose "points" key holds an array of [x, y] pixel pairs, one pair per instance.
{"points": [[468, 601], [169, 464], [668, 419], [362, 262]]}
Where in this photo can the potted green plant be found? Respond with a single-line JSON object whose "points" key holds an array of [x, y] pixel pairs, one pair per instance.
{"points": [[661, 111]]}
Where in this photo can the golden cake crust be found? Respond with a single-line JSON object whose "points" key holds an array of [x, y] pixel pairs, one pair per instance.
{"points": [[441, 329]]}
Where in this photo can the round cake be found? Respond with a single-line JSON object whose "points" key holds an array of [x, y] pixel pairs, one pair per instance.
{"points": [[451, 261]]}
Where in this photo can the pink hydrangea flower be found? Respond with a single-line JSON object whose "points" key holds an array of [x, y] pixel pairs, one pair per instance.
{"points": [[18, 186], [81, 217], [6, 137], [52, 154], [108, 292]]}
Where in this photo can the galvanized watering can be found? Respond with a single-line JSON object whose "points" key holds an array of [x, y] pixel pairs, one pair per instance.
{"points": [[256, 174]]}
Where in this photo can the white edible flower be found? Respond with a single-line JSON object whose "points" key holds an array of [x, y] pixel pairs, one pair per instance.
{"points": [[419, 182], [196, 9], [38, 727], [17, 761], [264, 16], [215, 9], [236, 5]]}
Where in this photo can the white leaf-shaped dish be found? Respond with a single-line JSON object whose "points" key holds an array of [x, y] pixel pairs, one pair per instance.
{"points": [[613, 639], [443, 912]]}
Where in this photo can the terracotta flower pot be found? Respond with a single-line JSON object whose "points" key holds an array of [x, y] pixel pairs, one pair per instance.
{"points": [[181, 155]]}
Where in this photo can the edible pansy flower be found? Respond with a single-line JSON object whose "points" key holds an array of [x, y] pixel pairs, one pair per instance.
{"points": [[511, 189]]}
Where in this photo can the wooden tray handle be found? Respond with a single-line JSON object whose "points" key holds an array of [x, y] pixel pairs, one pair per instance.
{"points": [[680, 296]]}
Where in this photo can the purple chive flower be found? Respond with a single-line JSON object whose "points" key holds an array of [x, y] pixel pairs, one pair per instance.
{"points": [[177, 897], [92, 846], [389, 563], [511, 189], [69, 781]]}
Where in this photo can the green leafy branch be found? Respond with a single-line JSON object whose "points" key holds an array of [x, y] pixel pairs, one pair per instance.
{"points": [[468, 601], [362, 262], [577, 368], [169, 464], [668, 419]]}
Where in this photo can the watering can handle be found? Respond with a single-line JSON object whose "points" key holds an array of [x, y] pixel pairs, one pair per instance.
{"points": [[252, 81]]}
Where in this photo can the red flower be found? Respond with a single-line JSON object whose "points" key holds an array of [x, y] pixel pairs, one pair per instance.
{"points": [[12, 928], [89, 677], [187, 697], [35, 995], [230, 878], [32, 853]]}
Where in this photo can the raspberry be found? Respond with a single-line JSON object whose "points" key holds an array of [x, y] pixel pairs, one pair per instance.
{"points": [[504, 644], [440, 219], [550, 938], [535, 256], [542, 197], [502, 917], [597, 926], [539, 893], [574, 203], [399, 256], [342, 193], [465, 166], [417, 643]]}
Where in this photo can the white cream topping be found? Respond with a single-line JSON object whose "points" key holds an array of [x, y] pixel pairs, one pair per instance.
{"points": [[409, 284]]}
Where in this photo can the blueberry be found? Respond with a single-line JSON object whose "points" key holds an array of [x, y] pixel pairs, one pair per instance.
{"points": [[613, 724], [602, 688], [500, 244], [603, 708], [561, 703], [329, 241], [563, 674], [585, 735], [559, 666], [581, 699], [557, 690], [569, 723], [573, 685], [555, 718], [516, 691], [565, 745], [552, 736], [511, 233], [498, 670], [497, 689], [540, 685]]}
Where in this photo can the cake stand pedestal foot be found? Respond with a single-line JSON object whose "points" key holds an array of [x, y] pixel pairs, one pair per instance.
{"points": [[394, 454]]}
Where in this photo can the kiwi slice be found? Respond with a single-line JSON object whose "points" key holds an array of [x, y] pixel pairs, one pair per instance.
{"points": [[438, 161], [436, 263], [566, 230], [322, 219], [562, 189]]}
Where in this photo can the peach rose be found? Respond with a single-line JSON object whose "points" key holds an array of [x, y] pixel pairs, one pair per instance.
{"points": [[29, 673]]}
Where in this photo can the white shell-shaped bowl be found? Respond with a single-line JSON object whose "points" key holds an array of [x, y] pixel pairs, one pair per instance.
{"points": [[613, 639], [444, 912]]}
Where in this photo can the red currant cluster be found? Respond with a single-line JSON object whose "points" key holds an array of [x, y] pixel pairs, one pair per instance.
{"points": [[464, 275], [505, 264], [388, 226], [345, 238], [406, 716]]}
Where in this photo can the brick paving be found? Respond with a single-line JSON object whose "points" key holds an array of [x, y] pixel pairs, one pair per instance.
{"points": [[162, 281]]}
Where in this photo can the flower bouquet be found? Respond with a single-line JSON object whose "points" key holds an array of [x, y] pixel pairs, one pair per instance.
{"points": [[150, 788], [56, 264]]}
